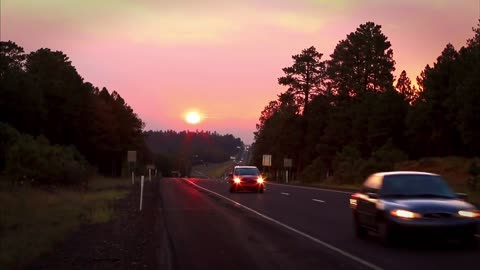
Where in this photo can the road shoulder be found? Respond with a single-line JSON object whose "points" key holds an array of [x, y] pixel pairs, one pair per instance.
{"points": [[132, 240]]}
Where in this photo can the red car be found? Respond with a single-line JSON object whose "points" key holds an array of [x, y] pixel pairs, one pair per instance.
{"points": [[246, 178]]}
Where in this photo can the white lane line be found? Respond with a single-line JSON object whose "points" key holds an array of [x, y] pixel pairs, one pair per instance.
{"points": [[318, 241], [286, 194], [322, 189], [317, 200]]}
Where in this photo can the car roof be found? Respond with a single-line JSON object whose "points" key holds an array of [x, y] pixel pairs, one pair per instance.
{"points": [[246, 167], [405, 172]]}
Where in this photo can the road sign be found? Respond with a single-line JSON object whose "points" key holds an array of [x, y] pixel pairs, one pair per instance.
{"points": [[287, 162], [150, 167], [132, 156], [267, 160]]}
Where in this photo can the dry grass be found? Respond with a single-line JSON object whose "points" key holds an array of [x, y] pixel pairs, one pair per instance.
{"points": [[33, 221], [453, 169], [213, 170]]}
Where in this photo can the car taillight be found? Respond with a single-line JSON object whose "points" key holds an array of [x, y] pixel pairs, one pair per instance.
{"points": [[353, 203], [354, 200], [260, 180], [237, 180]]}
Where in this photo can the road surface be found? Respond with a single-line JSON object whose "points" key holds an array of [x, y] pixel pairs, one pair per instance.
{"points": [[287, 227]]}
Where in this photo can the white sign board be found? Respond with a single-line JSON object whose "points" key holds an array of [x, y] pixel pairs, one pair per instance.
{"points": [[287, 162], [132, 156], [150, 167], [267, 160]]}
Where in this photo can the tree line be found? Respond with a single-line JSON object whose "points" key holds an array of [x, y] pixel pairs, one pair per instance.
{"points": [[51, 117], [348, 116], [180, 151]]}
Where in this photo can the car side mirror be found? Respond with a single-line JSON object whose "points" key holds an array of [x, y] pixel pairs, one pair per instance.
{"points": [[462, 196], [372, 195]]}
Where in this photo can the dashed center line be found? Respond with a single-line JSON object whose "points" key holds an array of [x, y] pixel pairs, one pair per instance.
{"points": [[318, 241], [317, 200], [286, 194]]}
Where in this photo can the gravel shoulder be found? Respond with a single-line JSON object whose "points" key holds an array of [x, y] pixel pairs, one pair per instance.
{"points": [[132, 240]]}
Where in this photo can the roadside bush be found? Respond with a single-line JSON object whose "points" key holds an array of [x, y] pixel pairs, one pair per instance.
{"points": [[315, 172], [474, 172], [349, 166], [34, 159], [8, 136], [385, 158]]}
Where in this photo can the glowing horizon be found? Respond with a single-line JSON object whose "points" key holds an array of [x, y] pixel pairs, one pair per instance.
{"points": [[221, 57]]}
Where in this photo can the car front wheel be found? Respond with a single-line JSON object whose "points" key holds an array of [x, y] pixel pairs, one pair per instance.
{"points": [[385, 234]]}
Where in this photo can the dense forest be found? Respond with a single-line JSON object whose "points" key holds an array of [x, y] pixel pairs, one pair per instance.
{"points": [[181, 150], [56, 127], [348, 116]]}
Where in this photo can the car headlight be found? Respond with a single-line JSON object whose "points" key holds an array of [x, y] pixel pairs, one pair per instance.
{"points": [[260, 180], [405, 214], [237, 180], [469, 213]]}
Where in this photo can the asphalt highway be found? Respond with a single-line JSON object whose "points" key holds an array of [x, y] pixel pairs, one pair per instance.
{"points": [[287, 227]]}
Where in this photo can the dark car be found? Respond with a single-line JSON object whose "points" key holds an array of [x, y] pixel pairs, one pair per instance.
{"points": [[246, 178], [417, 204]]}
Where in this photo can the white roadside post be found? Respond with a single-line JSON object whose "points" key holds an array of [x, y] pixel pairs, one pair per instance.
{"points": [[287, 163], [141, 191], [132, 159], [150, 168]]}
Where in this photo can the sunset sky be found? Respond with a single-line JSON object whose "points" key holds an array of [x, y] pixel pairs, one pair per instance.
{"points": [[221, 58]]}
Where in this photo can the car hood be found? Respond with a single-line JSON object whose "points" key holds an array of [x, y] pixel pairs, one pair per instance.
{"points": [[429, 205]]}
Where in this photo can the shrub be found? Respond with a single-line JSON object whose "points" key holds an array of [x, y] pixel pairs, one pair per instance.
{"points": [[315, 172], [8, 136], [349, 166], [30, 159], [474, 179], [385, 157]]}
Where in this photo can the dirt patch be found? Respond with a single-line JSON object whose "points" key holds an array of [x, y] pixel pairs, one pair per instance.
{"points": [[132, 240]]}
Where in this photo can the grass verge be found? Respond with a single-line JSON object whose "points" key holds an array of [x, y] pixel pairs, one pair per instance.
{"points": [[33, 220], [346, 187], [453, 169], [212, 170]]}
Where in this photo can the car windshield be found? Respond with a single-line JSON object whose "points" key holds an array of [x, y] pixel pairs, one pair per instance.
{"points": [[247, 171], [412, 185]]}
